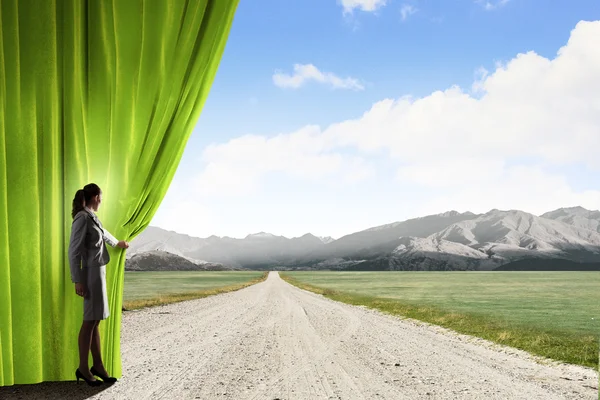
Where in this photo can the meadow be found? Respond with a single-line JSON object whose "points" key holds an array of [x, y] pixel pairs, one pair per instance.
{"points": [[551, 314], [144, 289]]}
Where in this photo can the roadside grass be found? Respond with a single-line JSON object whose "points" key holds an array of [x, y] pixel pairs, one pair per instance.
{"points": [[140, 292], [565, 345]]}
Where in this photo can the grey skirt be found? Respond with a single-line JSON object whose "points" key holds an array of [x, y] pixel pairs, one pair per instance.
{"points": [[95, 304]]}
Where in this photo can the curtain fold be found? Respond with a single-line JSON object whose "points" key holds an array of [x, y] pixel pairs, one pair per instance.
{"points": [[103, 91]]}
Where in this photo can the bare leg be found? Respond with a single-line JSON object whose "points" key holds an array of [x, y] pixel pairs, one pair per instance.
{"points": [[85, 342], [96, 350]]}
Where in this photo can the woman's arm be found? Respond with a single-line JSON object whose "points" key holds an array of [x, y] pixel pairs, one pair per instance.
{"points": [[77, 246], [108, 238], [113, 241]]}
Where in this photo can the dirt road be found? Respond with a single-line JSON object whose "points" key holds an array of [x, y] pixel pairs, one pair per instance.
{"points": [[274, 341]]}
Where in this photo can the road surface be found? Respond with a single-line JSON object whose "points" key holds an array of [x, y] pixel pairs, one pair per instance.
{"points": [[274, 341]]}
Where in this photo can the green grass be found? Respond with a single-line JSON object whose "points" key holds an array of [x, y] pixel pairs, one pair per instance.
{"points": [[147, 289], [551, 314]]}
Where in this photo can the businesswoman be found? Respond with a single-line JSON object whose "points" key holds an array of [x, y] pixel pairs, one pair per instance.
{"points": [[88, 258]]}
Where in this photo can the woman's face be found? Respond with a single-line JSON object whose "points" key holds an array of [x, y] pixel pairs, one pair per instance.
{"points": [[96, 200]]}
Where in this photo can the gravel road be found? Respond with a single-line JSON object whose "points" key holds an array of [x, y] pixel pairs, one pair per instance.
{"points": [[274, 341]]}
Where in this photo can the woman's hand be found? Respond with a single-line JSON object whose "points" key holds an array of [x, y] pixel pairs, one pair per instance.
{"points": [[123, 244], [80, 289]]}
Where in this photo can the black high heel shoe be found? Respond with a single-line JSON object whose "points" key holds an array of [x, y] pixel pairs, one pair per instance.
{"points": [[79, 375], [107, 379]]}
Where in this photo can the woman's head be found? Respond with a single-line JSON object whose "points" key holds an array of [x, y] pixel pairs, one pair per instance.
{"points": [[90, 196]]}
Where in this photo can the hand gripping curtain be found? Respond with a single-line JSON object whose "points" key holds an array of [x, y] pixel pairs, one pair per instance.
{"points": [[103, 91]]}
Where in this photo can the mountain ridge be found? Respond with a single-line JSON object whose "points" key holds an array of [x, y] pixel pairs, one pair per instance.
{"points": [[449, 240]]}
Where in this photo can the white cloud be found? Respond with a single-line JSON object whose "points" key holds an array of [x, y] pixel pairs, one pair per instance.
{"points": [[364, 5], [492, 5], [480, 75], [181, 212], [448, 150], [453, 172], [238, 166], [527, 188], [304, 73], [530, 107], [406, 11]]}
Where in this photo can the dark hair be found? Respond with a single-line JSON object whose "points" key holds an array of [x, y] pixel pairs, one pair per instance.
{"points": [[90, 190]]}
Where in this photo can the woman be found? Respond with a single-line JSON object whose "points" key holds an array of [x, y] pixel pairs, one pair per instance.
{"points": [[87, 250]]}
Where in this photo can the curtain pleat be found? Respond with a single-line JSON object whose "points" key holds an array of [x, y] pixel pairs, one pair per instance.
{"points": [[103, 91]]}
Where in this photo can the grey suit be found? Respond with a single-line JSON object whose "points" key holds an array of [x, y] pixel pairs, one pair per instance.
{"points": [[87, 250], [87, 243]]}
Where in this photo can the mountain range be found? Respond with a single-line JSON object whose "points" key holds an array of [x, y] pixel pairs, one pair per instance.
{"points": [[448, 241]]}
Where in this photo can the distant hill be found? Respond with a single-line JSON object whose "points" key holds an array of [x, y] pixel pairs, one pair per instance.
{"points": [[164, 261], [260, 250], [447, 241]]}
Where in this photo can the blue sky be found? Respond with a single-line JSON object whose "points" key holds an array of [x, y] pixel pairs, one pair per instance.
{"points": [[396, 58], [375, 54]]}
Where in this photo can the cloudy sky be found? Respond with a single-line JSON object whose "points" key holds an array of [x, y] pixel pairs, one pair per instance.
{"points": [[332, 116]]}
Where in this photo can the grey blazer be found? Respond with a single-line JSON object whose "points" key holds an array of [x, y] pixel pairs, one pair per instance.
{"points": [[86, 247]]}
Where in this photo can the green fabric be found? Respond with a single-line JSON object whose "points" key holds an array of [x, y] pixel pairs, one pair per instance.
{"points": [[103, 91]]}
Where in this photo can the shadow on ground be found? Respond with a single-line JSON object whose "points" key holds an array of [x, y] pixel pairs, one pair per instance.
{"points": [[51, 391]]}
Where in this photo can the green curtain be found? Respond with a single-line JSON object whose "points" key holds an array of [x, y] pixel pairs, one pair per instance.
{"points": [[103, 91]]}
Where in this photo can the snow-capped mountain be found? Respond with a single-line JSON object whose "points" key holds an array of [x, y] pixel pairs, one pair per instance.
{"points": [[263, 235], [499, 237], [326, 239], [503, 232], [380, 235], [450, 240], [576, 216], [153, 238]]}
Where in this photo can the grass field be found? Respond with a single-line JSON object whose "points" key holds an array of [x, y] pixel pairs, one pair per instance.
{"points": [[144, 289], [552, 314]]}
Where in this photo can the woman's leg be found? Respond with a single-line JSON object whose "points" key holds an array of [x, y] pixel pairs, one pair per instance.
{"points": [[96, 350], [85, 342]]}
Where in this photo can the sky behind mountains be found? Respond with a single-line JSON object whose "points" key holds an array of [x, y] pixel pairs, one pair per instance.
{"points": [[331, 117]]}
